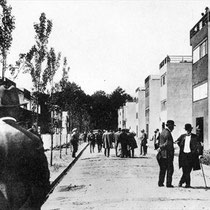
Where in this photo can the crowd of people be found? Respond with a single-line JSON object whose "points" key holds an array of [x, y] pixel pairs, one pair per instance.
{"points": [[122, 141]]}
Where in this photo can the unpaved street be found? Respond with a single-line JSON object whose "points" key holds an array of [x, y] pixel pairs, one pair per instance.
{"points": [[98, 182]]}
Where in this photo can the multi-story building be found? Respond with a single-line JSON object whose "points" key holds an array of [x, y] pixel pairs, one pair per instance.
{"points": [[127, 116], [200, 42], [121, 121], [176, 92], [130, 115], [152, 104], [140, 110]]}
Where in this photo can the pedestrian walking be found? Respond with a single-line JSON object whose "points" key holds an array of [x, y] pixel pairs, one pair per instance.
{"points": [[116, 142], [190, 149], [85, 136], [157, 139], [132, 143], [24, 173], [165, 155], [107, 142], [74, 141], [99, 140], [91, 140], [143, 143]]}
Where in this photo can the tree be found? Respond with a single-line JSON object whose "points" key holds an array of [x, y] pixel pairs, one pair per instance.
{"points": [[32, 61], [100, 110], [117, 98], [65, 72], [38, 53], [7, 25]]}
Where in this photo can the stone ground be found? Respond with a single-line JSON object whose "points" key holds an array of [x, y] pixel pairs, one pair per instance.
{"points": [[97, 182]]}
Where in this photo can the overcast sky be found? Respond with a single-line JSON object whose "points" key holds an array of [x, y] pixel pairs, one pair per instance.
{"points": [[109, 43]]}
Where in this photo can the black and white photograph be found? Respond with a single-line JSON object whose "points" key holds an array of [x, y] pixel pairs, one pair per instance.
{"points": [[104, 105]]}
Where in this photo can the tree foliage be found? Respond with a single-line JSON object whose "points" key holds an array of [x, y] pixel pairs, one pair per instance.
{"points": [[7, 25]]}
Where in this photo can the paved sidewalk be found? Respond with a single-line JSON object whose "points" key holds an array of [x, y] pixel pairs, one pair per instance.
{"points": [[60, 164]]}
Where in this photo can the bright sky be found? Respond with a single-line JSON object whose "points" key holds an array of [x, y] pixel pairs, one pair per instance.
{"points": [[109, 43]]}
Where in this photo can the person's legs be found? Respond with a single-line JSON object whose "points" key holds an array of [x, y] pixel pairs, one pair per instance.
{"points": [[132, 153], [141, 149], [108, 152], [170, 171], [183, 177], [163, 166], [188, 171]]}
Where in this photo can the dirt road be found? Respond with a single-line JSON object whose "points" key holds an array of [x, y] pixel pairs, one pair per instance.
{"points": [[98, 182]]}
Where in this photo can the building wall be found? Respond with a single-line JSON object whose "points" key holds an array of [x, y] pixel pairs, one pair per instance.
{"points": [[140, 110], [130, 115], [120, 117], [200, 75], [152, 104], [163, 96], [179, 95]]}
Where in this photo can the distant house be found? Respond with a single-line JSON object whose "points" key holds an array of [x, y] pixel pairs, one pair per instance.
{"points": [[152, 104], [140, 110], [127, 116]]}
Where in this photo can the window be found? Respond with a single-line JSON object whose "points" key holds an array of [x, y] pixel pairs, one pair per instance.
{"points": [[196, 55], [200, 51], [163, 80], [203, 49], [136, 115], [200, 92]]}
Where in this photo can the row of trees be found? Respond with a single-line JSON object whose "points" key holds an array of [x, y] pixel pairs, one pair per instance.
{"points": [[42, 62]]}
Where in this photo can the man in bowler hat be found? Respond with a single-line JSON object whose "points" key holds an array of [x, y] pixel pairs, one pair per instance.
{"points": [[190, 149], [24, 173], [165, 155]]}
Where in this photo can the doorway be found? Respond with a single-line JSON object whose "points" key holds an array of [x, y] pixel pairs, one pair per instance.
{"points": [[199, 128]]}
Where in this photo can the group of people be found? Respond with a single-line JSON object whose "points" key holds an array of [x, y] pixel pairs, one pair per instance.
{"points": [[122, 141], [189, 154]]}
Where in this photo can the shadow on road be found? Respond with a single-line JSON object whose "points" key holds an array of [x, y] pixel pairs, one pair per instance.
{"points": [[201, 187]]}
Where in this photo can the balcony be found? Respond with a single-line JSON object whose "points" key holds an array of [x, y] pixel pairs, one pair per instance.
{"points": [[201, 23], [176, 59]]}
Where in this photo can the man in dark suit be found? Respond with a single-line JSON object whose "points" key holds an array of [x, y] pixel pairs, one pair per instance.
{"points": [[24, 173], [190, 149], [165, 155]]}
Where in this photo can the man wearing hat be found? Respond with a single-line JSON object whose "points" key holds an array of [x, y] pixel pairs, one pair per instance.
{"points": [[190, 149], [74, 141], [165, 155], [24, 173]]}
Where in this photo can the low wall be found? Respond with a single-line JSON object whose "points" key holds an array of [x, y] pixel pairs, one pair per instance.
{"points": [[46, 138]]}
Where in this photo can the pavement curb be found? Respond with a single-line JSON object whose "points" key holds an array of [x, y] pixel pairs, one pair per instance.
{"points": [[60, 177]]}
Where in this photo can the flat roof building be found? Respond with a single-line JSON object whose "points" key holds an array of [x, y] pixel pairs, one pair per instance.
{"points": [[140, 110], [176, 92], [199, 40], [152, 104]]}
